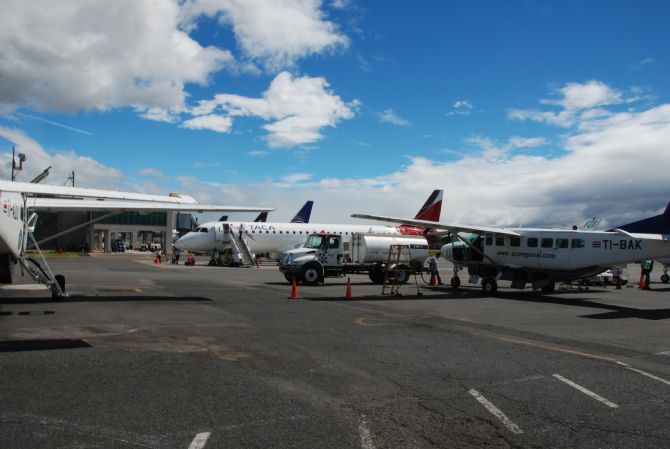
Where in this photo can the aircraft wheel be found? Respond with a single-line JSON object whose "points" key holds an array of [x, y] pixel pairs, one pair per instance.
{"points": [[665, 278], [489, 286], [311, 274], [455, 282], [549, 288]]}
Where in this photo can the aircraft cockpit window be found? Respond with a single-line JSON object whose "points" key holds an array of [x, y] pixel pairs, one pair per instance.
{"points": [[514, 241], [562, 243], [204, 230], [532, 242], [578, 243], [489, 240], [500, 241], [547, 243]]}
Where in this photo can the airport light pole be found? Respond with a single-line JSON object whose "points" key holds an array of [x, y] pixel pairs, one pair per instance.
{"points": [[22, 159]]}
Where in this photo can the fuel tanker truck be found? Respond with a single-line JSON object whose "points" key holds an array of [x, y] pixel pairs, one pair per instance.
{"points": [[332, 255]]}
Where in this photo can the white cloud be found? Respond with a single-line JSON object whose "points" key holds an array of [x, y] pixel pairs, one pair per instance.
{"points": [[153, 172], [212, 122], [274, 33], [296, 178], [588, 95], [578, 102], [158, 114], [99, 55], [298, 108], [258, 153], [613, 165], [638, 65], [461, 107], [390, 116]]}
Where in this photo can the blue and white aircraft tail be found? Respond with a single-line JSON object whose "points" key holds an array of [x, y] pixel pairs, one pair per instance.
{"points": [[304, 213]]}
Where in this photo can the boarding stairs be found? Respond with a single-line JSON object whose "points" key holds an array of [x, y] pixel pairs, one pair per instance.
{"points": [[241, 248]]}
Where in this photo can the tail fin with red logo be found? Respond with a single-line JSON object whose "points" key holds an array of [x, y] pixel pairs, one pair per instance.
{"points": [[431, 209]]}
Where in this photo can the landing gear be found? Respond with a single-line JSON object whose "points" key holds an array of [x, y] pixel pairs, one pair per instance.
{"points": [[455, 282], [665, 278], [489, 286]]}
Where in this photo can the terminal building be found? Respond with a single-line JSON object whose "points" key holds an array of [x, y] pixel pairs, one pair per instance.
{"points": [[98, 231]]}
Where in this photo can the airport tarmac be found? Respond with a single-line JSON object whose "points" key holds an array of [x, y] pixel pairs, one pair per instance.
{"points": [[163, 356]]}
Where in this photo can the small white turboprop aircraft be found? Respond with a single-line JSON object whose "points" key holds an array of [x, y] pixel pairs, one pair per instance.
{"points": [[275, 238], [541, 257], [19, 202]]}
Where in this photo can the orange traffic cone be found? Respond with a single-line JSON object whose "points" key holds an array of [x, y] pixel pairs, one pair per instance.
{"points": [[433, 280], [642, 280], [156, 260], [347, 295], [294, 290], [618, 282]]}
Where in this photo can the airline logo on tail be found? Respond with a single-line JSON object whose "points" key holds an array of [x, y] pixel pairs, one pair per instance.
{"points": [[431, 209]]}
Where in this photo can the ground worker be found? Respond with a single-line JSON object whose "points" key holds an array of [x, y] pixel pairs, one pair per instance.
{"points": [[432, 268], [647, 267]]}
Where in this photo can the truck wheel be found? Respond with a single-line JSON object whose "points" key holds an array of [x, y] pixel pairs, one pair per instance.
{"points": [[455, 282], [665, 278], [489, 286], [311, 274], [376, 274], [403, 274]]}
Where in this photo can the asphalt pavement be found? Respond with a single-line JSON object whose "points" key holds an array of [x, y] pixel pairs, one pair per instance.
{"points": [[141, 355]]}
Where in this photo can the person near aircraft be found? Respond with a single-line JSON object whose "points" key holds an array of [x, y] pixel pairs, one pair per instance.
{"points": [[432, 268], [647, 267]]}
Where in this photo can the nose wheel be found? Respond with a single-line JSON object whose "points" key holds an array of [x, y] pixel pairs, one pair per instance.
{"points": [[489, 286]]}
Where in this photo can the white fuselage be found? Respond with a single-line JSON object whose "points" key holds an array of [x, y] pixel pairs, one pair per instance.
{"points": [[550, 250], [267, 238], [11, 223]]}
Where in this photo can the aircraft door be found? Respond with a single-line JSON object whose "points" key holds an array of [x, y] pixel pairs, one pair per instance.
{"points": [[218, 231]]}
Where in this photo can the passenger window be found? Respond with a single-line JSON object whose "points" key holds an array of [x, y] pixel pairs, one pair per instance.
{"points": [[273, 232], [489, 240], [500, 241], [578, 243], [532, 242], [267, 232], [562, 243], [515, 241], [280, 232], [547, 243]]}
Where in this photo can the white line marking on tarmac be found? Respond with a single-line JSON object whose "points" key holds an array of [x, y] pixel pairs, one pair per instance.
{"points": [[663, 353], [644, 373], [495, 411], [595, 396], [366, 438], [200, 440]]}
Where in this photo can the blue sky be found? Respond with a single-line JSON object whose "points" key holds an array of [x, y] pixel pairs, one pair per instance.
{"points": [[524, 112]]}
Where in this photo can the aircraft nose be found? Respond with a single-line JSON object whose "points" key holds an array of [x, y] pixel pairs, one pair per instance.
{"points": [[183, 242]]}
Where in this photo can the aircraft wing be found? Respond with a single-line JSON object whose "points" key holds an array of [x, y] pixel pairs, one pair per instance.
{"points": [[453, 228], [70, 204]]}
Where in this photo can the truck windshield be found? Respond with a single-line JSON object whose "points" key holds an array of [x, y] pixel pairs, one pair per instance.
{"points": [[314, 241]]}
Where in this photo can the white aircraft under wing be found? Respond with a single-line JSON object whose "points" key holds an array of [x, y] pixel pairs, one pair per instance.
{"points": [[541, 257], [19, 201]]}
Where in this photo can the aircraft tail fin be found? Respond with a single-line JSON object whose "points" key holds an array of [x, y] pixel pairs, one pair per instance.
{"points": [[223, 218], [432, 207], [659, 224], [262, 218], [303, 214]]}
